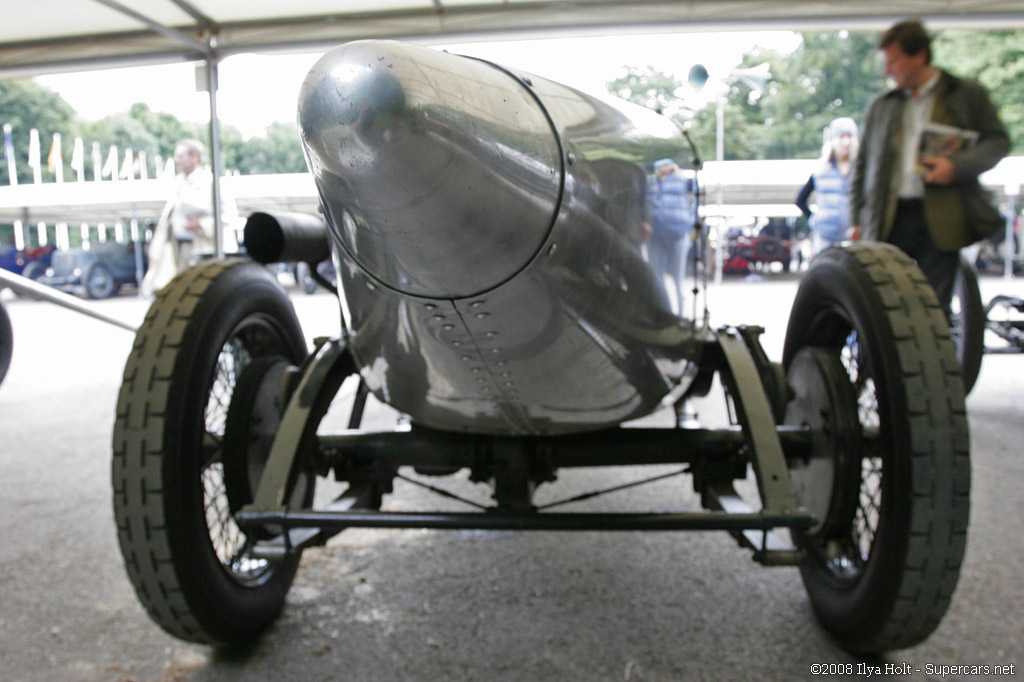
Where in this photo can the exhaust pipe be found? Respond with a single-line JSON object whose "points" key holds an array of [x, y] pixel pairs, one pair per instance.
{"points": [[283, 237]]}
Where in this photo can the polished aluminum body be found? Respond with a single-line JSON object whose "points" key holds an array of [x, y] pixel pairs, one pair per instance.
{"points": [[488, 233]]}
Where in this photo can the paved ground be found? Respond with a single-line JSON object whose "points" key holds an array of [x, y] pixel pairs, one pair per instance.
{"points": [[412, 605]]}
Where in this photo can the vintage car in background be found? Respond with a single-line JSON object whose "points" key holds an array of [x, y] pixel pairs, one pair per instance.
{"points": [[770, 243], [31, 262], [99, 271]]}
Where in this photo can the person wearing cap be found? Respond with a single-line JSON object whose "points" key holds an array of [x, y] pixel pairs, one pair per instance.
{"points": [[670, 215], [830, 183], [929, 205]]}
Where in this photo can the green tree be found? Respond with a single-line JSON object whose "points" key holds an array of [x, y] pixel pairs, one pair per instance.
{"points": [[165, 128], [232, 148], [123, 131], [829, 75], [996, 59], [26, 105], [650, 88], [279, 152], [665, 94]]}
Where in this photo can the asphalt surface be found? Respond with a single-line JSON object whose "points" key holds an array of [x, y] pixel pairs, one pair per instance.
{"points": [[443, 605]]}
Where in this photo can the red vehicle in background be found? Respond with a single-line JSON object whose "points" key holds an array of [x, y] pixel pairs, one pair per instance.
{"points": [[772, 243], [31, 262]]}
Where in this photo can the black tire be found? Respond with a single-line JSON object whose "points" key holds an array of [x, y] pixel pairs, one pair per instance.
{"points": [[967, 319], [881, 570], [769, 249], [34, 270], [98, 281], [187, 559], [6, 342]]}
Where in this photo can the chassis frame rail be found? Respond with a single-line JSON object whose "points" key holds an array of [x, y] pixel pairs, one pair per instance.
{"points": [[500, 520], [1009, 330], [369, 462]]}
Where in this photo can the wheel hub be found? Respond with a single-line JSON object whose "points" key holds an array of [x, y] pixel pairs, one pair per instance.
{"points": [[252, 422], [826, 481]]}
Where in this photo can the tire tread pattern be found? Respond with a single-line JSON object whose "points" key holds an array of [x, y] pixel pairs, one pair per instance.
{"points": [[138, 440], [938, 447], [911, 326]]}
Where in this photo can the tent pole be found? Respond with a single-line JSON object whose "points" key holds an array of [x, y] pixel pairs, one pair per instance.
{"points": [[212, 63]]}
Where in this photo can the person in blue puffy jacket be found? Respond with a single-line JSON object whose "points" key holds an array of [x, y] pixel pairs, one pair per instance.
{"points": [[831, 184], [670, 217]]}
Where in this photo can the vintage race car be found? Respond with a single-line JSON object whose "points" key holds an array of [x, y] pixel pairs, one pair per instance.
{"points": [[484, 225], [30, 262], [99, 271]]}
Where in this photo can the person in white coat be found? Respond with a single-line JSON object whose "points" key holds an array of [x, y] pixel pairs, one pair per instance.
{"points": [[186, 226]]}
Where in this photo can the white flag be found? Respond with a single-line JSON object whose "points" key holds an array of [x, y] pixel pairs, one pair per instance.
{"points": [[127, 170], [34, 158], [97, 162], [78, 159], [9, 156], [110, 167]]}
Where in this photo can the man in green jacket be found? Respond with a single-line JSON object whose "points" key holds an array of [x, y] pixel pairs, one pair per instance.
{"points": [[929, 203]]}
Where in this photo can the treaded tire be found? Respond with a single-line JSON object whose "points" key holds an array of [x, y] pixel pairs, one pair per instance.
{"points": [[881, 576], [185, 557], [6, 342], [99, 281], [34, 270], [769, 249], [968, 321]]}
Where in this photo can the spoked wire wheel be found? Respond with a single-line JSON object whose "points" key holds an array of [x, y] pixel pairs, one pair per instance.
{"points": [[850, 559], [967, 323], [875, 380], [99, 281], [230, 471], [187, 451]]}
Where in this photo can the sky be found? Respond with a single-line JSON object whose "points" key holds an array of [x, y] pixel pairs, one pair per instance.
{"points": [[256, 90]]}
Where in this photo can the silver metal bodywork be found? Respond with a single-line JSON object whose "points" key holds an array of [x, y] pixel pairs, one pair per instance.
{"points": [[487, 230]]}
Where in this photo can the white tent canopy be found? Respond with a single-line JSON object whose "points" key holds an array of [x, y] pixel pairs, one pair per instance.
{"points": [[46, 36], [54, 36]]}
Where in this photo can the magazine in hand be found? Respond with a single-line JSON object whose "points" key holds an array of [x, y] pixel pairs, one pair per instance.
{"points": [[938, 139]]}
